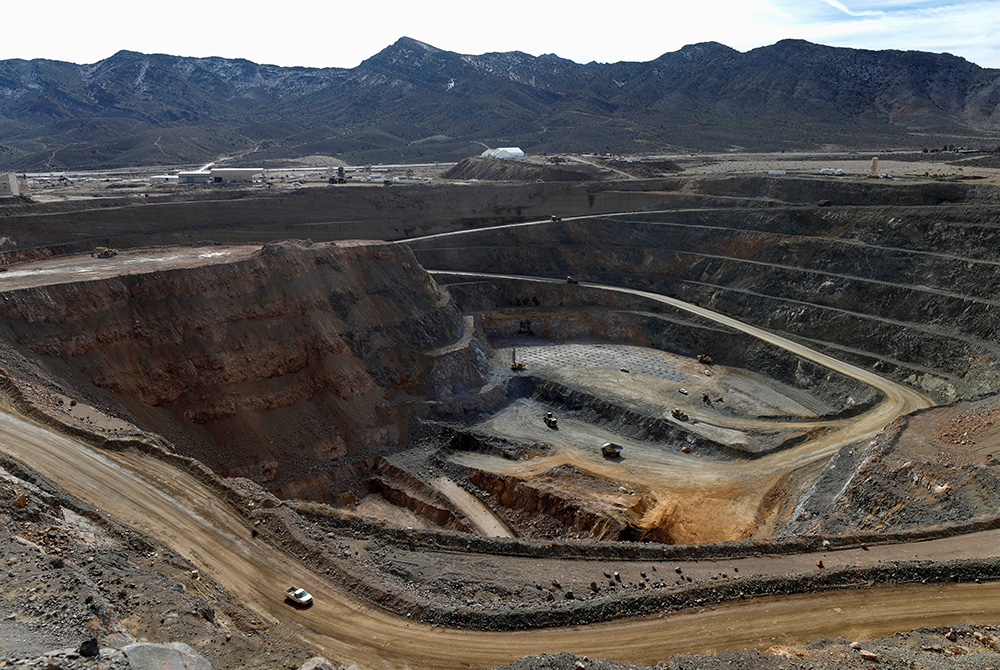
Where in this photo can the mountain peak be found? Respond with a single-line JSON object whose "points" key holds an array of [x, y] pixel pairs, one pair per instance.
{"points": [[705, 49], [556, 59], [405, 52], [410, 43], [125, 54], [705, 96]]}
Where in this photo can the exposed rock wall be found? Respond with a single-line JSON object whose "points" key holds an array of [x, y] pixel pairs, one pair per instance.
{"points": [[279, 367], [321, 214], [401, 488], [936, 467], [580, 510]]}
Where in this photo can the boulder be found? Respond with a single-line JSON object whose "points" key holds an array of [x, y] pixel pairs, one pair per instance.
{"points": [[169, 656], [90, 648]]}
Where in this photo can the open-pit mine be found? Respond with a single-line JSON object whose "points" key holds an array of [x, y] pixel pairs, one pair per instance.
{"points": [[631, 420]]}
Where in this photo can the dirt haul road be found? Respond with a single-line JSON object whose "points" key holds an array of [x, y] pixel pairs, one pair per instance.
{"points": [[174, 507]]}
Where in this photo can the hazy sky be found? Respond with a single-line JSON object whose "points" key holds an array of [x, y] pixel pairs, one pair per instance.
{"points": [[342, 34]]}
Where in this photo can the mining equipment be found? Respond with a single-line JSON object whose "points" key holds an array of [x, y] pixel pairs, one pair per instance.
{"points": [[572, 280], [555, 219], [103, 252], [678, 414], [3, 268], [551, 420], [704, 358], [611, 450], [514, 365]]}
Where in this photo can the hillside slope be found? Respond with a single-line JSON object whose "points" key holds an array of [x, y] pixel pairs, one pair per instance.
{"points": [[413, 101]]}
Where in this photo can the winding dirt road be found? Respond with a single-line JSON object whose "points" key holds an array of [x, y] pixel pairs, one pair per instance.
{"points": [[174, 507]]}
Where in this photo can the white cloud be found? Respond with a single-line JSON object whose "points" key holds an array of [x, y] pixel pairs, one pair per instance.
{"points": [[841, 7]]}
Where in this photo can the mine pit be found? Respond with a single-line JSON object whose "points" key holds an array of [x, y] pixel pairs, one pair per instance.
{"points": [[701, 443], [676, 481], [352, 412]]}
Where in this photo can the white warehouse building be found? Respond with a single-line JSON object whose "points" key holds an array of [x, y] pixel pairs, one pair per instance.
{"points": [[503, 152]]}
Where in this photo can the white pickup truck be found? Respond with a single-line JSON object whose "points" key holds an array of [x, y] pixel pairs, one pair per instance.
{"points": [[298, 596]]}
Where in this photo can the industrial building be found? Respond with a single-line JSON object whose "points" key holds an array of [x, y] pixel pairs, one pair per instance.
{"points": [[194, 177], [229, 175], [220, 176]]}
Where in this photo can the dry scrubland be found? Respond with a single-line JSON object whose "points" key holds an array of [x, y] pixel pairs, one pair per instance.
{"points": [[213, 414]]}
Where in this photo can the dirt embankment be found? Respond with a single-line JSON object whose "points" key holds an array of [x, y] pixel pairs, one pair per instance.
{"points": [[74, 575], [512, 170], [280, 367], [940, 466]]}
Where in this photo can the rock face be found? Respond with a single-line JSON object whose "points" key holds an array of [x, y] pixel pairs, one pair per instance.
{"points": [[170, 656], [303, 355], [933, 468], [565, 498]]}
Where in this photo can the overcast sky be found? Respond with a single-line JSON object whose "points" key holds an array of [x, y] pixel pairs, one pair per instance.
{"points": [[342, 34]]}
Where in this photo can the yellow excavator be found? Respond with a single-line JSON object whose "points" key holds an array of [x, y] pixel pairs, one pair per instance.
{"points": [[514, 365]]}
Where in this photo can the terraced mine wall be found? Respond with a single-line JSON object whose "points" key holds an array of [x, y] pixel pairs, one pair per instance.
{"points": [[320, 214], [283, 367], [237, 215], [904, 290], [592, 607], [509, 309]]}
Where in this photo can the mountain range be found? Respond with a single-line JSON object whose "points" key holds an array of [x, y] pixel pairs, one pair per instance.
{"points": [[414, 102]]}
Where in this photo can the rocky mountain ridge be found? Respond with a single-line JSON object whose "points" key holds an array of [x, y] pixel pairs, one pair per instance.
{"points": [[414, 101]]}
